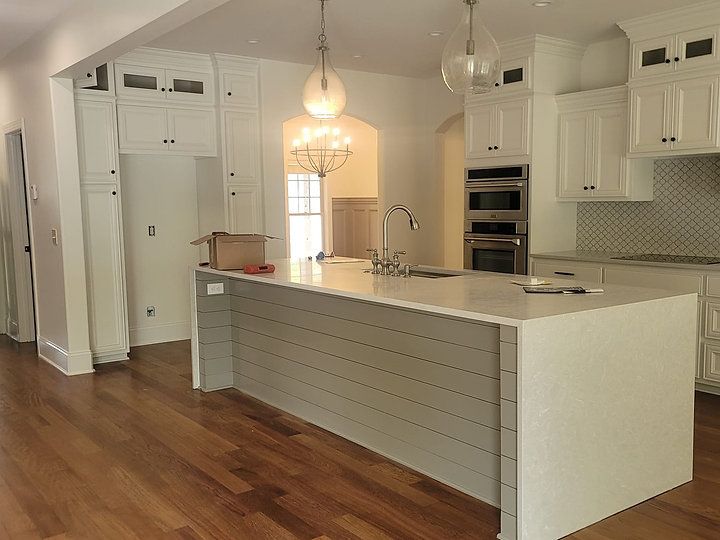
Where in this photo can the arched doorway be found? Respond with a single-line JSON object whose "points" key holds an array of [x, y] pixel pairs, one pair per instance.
{"points": [[339, 213]]}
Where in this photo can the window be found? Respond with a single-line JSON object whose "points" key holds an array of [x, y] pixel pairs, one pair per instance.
{"points": [[304, 215]]}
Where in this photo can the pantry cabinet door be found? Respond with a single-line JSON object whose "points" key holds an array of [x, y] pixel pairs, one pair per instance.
{"points": [[513, 131], [242, 147], [609, 178], [142, 128], [651, 118], [575, 155], [243, 209], [104, 268], [192, 131], [96, 141], [480, 131], [696, 114]]}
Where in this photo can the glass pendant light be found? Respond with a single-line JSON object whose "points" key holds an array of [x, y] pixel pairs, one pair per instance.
{"points": [[471, 59], [324, 92]]}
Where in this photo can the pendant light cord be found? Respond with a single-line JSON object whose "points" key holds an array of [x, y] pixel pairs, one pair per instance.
{"points": [[323, 47]]}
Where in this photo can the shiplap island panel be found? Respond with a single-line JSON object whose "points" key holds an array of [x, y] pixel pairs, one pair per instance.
{"points": [[528, 402]]}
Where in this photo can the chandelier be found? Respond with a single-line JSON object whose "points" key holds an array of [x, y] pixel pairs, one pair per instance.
{"points": [[471, 58], [323, 153], [324, 93]]}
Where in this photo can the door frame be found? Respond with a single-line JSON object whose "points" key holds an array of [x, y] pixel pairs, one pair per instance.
{"points": [[26, 280]]}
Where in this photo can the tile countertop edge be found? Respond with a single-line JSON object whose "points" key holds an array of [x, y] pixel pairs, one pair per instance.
{"points": [[405, 304], [607, 258]]}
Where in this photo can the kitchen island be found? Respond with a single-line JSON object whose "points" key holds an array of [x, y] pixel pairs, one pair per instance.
{"points": [[559, 409]]}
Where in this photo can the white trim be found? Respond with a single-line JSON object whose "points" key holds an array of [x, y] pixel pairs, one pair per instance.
{"points": [[160, 333], [194, 344], [592, 98], [672, 21], [166, 59], [58, 357], [707, 388]]}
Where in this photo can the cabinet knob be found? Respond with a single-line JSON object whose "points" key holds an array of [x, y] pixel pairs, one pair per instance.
{"points": [[229, 93], [673, 139], [497, 84], [489, 147], [586, 188], [169, 89], [162, 89], [233, 194], [677, 59], [164, 141], [664, 139], [114, 192], [112, 172], [89, 75], [667, 60], [495, 148], [232, 174], [592, 187], [172, 141]]}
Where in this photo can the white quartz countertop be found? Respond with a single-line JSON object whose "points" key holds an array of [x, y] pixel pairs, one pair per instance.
{"points": [[481, 296], [606, 257]]}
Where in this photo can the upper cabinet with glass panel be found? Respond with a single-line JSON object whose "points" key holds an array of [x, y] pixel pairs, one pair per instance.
{"points": [[514, 75], [155, 83], [677, 52]]}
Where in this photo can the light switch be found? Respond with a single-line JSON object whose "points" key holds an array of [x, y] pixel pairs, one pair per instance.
{"points": [[215, 288], [34, 192], [54, 236]]}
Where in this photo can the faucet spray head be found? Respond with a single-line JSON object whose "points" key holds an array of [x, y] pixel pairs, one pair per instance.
{"points": [[414, 224]]}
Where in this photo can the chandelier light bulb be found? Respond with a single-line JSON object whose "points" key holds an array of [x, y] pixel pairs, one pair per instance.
{"points": [[471, 58], [296, 143], [347, 141], [336, 131]]}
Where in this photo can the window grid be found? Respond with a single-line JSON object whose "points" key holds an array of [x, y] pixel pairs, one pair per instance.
{"points": [[304, 195]]}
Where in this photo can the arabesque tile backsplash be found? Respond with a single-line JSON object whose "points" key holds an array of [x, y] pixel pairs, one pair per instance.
{"points": [[684, 218]]}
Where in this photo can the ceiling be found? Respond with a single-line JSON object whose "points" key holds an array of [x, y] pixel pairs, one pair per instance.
{"points": [[391, 35], [21, 19]]}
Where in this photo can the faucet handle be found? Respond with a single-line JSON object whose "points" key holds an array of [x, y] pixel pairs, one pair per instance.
{"points": [[396, 253], [407, 269]]}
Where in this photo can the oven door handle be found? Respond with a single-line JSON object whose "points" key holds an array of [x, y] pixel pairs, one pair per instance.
{"points": [[515, 241], [494, 184]]}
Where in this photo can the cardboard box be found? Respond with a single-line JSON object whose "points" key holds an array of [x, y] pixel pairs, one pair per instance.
{"points": [[234, 251]]}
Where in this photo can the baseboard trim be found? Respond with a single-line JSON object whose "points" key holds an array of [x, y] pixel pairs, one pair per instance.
{"points": [[707, 388], [60, 359], [161, 333]]}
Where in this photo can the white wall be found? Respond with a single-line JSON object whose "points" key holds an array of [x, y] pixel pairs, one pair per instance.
{"points": [[87, 34], [159, 191], [605, 63], [406, 113]]}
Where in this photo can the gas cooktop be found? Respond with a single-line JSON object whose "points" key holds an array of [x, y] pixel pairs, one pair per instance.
{"points": [[677, 259]]}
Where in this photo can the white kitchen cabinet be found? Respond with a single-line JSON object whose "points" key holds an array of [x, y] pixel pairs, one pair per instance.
{"points": [[142, 128], [239, 89], [191, 131], [678, 52], [97, 153], [679, 117], [242, 151], [592, 161], [497, 129], [575, 154], [567, 270], [514, 75], [105, 271], [711, 361], [243, 208], [156, 83], [151, 130]]}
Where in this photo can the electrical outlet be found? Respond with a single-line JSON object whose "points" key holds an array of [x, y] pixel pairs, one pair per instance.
{"points": [[215, 288], [151, 230], [151, 311]]}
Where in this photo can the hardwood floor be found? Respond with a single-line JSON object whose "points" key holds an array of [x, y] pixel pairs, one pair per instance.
{"points": [[132, 452]]}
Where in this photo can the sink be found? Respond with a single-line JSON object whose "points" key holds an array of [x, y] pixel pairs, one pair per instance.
{"points": [[432, 273]]}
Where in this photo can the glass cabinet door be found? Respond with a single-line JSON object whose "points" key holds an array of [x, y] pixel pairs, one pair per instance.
{"points": [[139, 81], [654, 56], [189, 86], [514, 75], [697, 48]]}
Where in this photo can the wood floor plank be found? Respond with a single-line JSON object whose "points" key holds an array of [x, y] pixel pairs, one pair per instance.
{"points": [[133, 452]]}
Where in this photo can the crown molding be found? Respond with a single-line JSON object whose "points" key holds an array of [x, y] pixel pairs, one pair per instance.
{"points": [[537, 43], [672, 21], [592, 98], [164, 58], [238, 63]]}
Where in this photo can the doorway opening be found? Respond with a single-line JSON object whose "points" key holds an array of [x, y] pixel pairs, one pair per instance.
{"points": [[451, 142], [20, 301], [340, 212]]}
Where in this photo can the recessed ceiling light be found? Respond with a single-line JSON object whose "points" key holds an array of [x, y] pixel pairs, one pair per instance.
{"points": [[436, 33], [542, 3], [253, 41], [356, 56]]}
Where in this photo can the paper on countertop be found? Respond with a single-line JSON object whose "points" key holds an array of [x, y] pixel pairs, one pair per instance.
{"points": [[339, 260], [532, 282]]}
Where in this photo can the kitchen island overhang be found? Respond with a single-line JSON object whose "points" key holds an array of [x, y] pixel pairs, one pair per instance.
{"points": [[560, 410]]}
